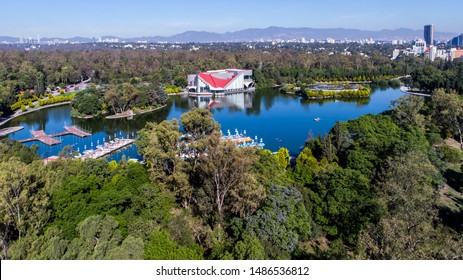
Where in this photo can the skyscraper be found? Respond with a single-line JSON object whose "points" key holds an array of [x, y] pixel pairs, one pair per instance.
{"points": [[429, 34]]}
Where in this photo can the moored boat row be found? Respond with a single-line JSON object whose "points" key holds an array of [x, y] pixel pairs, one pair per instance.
{"points": [[106, 149]]}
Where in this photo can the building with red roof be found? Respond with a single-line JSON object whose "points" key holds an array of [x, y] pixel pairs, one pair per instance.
{"points": [[221, 81]]}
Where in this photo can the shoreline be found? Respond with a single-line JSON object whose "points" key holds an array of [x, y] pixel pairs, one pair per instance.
{"points": [[16, 114], [407, 90], [126, 115]]}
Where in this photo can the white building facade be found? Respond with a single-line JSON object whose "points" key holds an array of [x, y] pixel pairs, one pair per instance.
{"points": [[221, 81]]}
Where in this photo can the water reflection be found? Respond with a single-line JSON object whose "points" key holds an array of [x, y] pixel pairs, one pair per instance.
{"points": [[239, 101]]}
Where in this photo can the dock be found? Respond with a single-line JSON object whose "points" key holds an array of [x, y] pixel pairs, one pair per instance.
{"points": [[40, 135], [76, 131], [106, 149], [9, 130]]}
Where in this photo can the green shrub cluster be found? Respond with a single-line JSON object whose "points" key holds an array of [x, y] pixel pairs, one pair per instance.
{"points": [[364, 92], [172, 88], [20, 102], [56, 99]]}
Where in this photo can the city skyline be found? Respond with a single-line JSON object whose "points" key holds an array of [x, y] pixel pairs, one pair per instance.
{"points": [[54, 18]]}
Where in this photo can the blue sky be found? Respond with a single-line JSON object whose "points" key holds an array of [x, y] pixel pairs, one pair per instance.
{"points": [[93, 18]]}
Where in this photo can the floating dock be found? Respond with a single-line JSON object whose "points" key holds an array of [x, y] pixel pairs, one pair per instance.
{"points": [[9, 130], [76, 131], [106, 149], [40, 135]]}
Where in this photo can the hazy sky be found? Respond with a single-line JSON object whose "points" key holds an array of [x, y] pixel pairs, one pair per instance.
{"points": [[130, 18]]}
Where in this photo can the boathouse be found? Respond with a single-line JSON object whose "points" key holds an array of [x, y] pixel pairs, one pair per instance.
{"points": [[220, 81]]}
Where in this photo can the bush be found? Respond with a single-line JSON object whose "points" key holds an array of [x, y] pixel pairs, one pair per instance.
{"points": [[450, 154], [57, 99], [434, 138]]}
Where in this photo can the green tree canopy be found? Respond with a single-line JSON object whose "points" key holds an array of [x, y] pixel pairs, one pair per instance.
{"points": [[283, 221]]}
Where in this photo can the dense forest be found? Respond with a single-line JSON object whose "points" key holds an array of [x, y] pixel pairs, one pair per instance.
{"points": [[379, 187], [26, 74]]}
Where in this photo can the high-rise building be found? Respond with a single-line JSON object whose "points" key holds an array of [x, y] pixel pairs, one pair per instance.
{"points": [[429, 34], [457, 41]]}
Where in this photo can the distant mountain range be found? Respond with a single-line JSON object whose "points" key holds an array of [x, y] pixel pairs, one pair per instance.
{"points": [[266, 34]]}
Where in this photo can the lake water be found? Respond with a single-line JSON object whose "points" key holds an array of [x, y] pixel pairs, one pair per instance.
{"points": [[280, 120]]}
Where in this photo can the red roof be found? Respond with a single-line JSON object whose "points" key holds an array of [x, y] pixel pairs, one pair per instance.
{"points": [[214, 81]]}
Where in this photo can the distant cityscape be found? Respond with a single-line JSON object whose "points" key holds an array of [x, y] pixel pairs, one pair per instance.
{"points": [[432, 49], [270, 34], [446, 48], [456, 41]]}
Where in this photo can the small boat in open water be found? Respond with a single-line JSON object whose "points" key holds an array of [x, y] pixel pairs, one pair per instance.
{"points": [[316, 119]]}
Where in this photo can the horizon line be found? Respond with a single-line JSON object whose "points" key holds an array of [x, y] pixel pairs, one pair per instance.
{"points": [[220, 33]]}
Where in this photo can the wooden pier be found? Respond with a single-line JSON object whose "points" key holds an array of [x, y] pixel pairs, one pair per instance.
{"points": [[40, 135]]}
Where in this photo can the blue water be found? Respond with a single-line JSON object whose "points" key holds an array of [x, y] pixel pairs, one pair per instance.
{"points": [[280, 120]]}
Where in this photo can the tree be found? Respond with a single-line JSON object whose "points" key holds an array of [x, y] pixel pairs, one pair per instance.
{"points": [[67, 153], [87, 104], [49, 246], [342, 202], [121, 97], [306, 166], [267, 170], [130, 249], [199, 123], [406, 111], [250, 248], [227, 175], [158, 143], [21, 200], [283, 221], [161, 247], [406, 191], [448, 111], [4, 96], [97, 237], [282, 156], [428, 78]]}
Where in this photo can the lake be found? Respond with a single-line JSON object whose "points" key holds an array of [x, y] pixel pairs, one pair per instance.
{"points": [[281, 120]]}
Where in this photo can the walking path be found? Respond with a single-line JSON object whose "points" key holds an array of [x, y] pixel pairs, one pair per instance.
{"points": [[20, 113], [82, 85]]}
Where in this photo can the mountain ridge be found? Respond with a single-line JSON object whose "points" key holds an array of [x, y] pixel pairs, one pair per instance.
{"points": [[267, 34]]}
